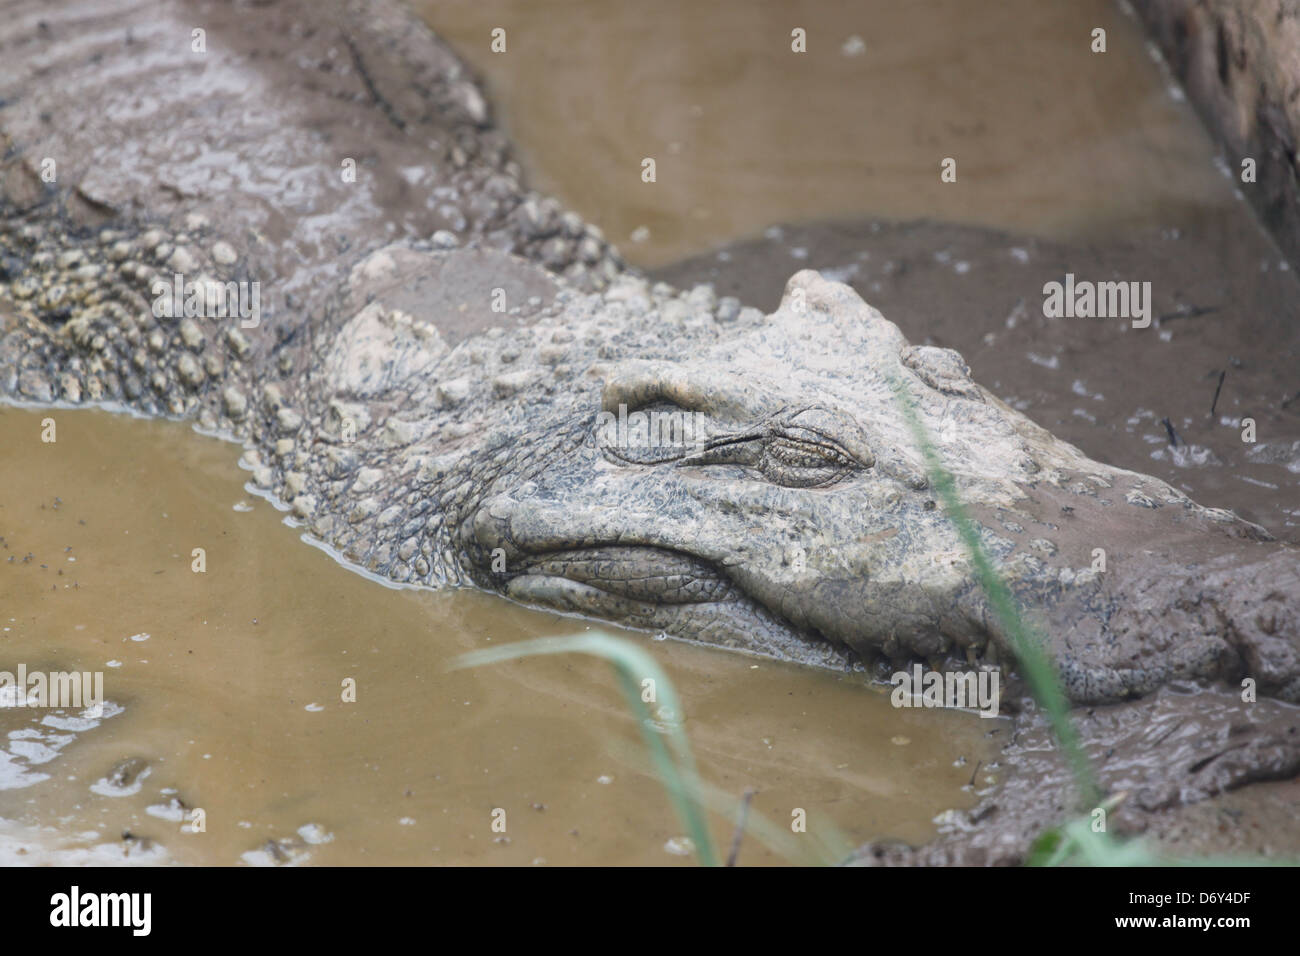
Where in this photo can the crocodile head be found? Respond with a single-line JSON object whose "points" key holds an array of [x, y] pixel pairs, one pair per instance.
{"points": [[769, 494]]}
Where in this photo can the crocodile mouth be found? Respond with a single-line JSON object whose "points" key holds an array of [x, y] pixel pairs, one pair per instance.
{"points": [[643, 574], [652, 588]]}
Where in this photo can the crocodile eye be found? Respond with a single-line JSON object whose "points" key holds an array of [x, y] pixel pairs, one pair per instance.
{"points": [[805, 461]]}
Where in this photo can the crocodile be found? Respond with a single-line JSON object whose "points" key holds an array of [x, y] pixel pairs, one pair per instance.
{"points": [[449, 380]]}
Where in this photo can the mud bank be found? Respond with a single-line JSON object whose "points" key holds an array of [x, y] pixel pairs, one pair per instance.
{"points": [[1194, 771]]}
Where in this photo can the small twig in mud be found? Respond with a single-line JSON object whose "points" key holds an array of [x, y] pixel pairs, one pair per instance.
{"points": [[368, 81], [741, 815], [1173, 435], [1187, 312], [1217, 389], [1163, 737], [975, 772]]}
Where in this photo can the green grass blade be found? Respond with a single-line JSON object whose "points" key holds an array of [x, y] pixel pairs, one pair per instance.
{"points": [[1039, 672]]}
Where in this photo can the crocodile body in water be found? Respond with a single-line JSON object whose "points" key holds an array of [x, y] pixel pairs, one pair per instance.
{"points": [[450, 380]]}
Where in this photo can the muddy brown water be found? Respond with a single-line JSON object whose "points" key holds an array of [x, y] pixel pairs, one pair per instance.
{"points": [[232, 701], [1048, 136], [224, 693]]}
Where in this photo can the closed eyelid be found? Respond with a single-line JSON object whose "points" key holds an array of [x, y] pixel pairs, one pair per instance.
{"points": [[795, 446], [821, 427]]}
